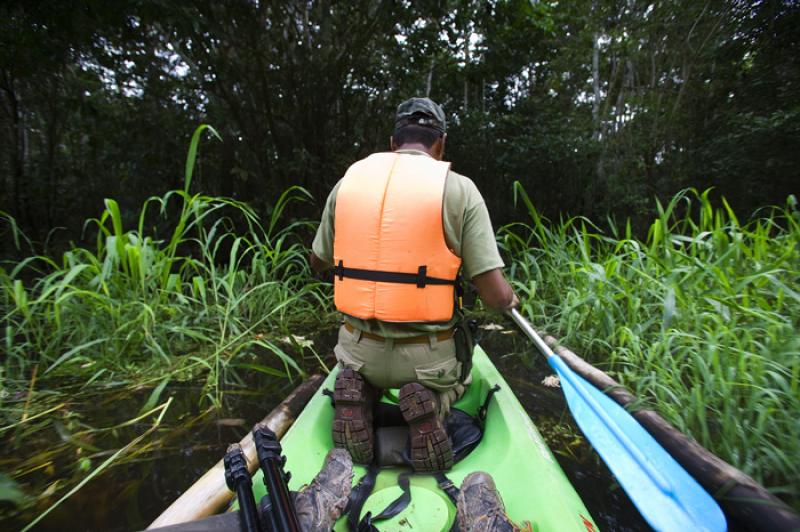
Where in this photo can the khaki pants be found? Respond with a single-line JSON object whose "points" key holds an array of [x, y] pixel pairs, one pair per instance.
{"points": [[386, 365]]}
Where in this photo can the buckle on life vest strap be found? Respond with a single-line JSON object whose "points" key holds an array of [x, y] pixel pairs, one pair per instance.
{"points": [[420, 278], [422, 273]]}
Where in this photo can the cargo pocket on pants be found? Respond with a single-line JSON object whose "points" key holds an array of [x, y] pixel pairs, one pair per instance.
{"points": [[440, 376], [346, 359]]}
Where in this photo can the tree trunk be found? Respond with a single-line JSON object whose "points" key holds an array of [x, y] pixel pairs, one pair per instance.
{"points": [[466, 68], [596, 84], [597, 117], [19, 156], [429, 80]]}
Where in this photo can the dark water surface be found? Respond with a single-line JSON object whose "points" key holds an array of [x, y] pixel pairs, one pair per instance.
{"points": [[131, 495]]}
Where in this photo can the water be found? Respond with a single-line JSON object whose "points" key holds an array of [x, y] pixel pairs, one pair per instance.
{"points": [[130, 496]]}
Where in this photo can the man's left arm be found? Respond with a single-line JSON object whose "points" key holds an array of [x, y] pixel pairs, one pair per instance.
{"points": [[317, 264], [321, 258]]}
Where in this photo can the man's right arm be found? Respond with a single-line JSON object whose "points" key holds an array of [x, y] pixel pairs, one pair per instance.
{"points": [[481, 258], [495, 291]]}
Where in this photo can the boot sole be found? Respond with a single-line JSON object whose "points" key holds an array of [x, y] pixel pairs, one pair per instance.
{"points": [[431, 449], [352, 421]]}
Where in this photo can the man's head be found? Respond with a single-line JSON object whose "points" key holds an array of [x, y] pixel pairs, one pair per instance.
{"points": [[420, 124]]}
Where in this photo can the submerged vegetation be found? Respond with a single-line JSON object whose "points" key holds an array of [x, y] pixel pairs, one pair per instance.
{"points": [[700, 319], [212, 300]]}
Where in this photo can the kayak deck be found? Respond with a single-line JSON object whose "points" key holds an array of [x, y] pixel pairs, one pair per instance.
{"points": [[530, 481]]}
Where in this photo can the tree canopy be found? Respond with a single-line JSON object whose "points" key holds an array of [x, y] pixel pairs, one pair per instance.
{"points": [[594, 106]]}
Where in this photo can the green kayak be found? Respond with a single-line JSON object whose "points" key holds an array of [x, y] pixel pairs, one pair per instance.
{"points": [[533, 486]]}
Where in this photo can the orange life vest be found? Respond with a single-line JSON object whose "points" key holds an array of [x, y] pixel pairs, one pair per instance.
{"points": [[391, 260]]}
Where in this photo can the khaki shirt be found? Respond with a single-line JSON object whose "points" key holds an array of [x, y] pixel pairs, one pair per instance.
{"points": [[468, 232]]}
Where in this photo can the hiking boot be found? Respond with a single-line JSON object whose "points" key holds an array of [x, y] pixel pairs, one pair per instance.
{"points": [[321, 503], [479, 507], [431, 449], [352, 422]]}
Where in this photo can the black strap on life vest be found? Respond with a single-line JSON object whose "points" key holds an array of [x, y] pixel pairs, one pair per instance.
{"points": [[421, 278], [459, 292]]}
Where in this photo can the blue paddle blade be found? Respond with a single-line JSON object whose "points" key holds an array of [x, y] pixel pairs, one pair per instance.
{"points": [[664, 493]]}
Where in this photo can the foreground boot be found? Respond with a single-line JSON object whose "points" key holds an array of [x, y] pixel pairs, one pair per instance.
{"points": [[352, 422], [431, 449], [321, 503], [480, 508]]}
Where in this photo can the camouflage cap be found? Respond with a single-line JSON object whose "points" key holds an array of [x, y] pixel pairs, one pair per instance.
{"points": [[421, 112]]}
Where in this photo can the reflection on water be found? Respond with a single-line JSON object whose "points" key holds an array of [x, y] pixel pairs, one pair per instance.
{"points": [[131, 495]]}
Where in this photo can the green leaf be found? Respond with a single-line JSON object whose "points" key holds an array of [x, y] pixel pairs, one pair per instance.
{"points": [[191, 157], [154, 396], [84, 464], [262, 369], [72, 352], [10, 491]]}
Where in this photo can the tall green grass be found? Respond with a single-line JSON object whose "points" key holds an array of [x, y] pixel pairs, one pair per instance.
{"points": [[138, 304], [207, 300], [700, 319]]}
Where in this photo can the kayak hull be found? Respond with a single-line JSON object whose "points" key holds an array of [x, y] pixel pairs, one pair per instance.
{"points": [[530, 481]]}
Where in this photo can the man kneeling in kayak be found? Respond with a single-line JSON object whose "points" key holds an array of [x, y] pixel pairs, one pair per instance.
{"points": [[397, 229]]}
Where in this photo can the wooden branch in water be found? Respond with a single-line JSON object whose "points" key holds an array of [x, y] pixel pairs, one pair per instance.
{"points": [[209, 494], [743, 500]]}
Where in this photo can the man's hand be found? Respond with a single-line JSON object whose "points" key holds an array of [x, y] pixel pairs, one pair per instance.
{"points": [[514, 302], [495, 291]]}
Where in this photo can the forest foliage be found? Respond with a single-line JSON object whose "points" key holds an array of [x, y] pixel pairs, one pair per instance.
{"points": [[594, 106], [699, 319], [130, 270]]}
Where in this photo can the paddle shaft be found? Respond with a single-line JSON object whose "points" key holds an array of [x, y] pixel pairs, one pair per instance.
{"points": [[527, 328]]}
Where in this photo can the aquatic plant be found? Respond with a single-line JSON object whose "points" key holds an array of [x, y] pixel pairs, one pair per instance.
{"points": [[138, 304], [209, 300], [700, 320]]}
